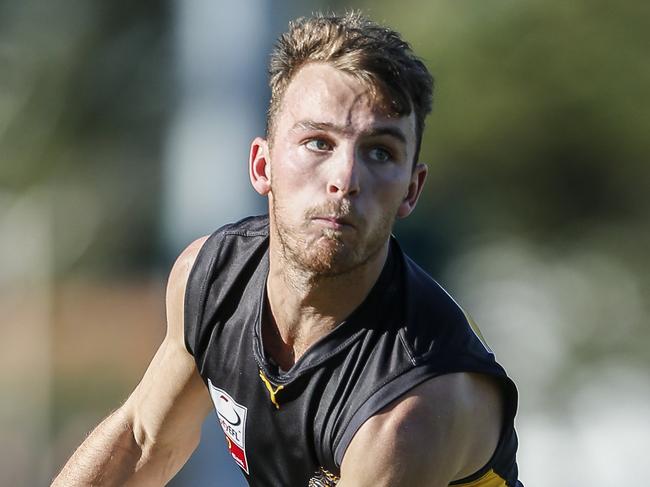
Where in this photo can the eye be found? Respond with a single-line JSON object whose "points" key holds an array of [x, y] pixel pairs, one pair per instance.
{"points": [[380, 154], [318, 145]]}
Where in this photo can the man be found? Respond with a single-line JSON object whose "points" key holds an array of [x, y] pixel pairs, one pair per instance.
{"points": [[329, 356]]}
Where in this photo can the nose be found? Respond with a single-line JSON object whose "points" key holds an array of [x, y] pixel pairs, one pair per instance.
{"points": [[344, 175]]}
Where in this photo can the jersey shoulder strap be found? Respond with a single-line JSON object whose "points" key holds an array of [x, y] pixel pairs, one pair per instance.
{"points": [[227, 253]]}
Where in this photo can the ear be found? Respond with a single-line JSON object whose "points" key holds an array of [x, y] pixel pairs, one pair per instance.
{"points": [[259, 168], [415, 188]]}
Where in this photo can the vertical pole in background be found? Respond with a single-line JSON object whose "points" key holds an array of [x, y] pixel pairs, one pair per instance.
{"points": [[220, 57], [25, 348], [221, 50]]}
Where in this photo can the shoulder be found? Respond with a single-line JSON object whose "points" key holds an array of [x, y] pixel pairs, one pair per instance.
{"points": [[435, 327], [209, 266], [176, 286], [234, 241], [249, 227], [185, 260], [444, 429]]}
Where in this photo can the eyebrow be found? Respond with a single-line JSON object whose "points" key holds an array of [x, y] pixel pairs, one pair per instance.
{"points": [[341, 129]]}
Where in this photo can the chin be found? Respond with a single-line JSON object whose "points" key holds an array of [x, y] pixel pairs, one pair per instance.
{"points": [[328, 252], [327, 257], [331, 258]]}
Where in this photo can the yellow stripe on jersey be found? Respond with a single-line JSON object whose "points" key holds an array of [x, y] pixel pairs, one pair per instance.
{"points": [[477, 331], [490, 479]]}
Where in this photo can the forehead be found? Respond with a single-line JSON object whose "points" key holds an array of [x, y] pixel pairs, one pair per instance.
{"points": [[322, 93]]}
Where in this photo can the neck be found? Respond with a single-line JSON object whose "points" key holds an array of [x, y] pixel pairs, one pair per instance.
{"points": [[304, 306]]}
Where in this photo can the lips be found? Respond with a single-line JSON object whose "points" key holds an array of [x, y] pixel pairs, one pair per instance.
{"points": [[337, 223], [335, 215]]}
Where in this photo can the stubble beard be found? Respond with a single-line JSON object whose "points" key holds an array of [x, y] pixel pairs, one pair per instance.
{"points": [[329, 255]]}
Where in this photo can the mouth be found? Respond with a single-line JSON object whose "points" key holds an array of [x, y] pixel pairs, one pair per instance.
{"points": [[333, 222]]}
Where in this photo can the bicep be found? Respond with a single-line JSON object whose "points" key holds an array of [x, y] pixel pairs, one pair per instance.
{"points": [[432, 435], [171, 401]]}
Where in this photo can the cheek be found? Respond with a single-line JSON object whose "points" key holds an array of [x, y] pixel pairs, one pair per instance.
{"points": [[292, 192], [292, 168], [293, 189], [390, 189]]}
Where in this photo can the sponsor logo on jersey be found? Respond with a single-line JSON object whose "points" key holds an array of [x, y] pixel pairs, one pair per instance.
{"points": [[232, 418]]}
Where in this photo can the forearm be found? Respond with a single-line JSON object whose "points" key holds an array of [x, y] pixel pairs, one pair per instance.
{"points": [[147, 440], [109, 456]]}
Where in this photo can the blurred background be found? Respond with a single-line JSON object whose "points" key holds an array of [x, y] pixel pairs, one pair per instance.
{"points": [[124, 132]]}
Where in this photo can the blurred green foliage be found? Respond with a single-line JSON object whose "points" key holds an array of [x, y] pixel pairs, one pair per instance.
{"points": [[85, 92], [541, 114]]}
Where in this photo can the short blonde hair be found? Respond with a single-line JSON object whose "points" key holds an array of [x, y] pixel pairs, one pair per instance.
{"points": [[375, 55]]}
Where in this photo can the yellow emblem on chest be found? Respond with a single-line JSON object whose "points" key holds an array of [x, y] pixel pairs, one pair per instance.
{"points": [[272, 392]]}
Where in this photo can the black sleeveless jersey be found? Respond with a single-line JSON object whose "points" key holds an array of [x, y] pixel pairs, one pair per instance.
{"points": [[291, 428]]}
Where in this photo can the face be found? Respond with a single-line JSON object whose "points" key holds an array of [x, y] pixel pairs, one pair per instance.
{"points": [[337, 174]]}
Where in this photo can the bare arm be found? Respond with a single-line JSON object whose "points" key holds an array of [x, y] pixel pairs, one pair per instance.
{"points": [[147, 440], [443, 430]]}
